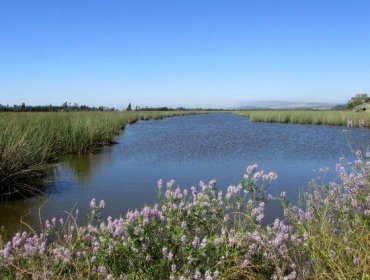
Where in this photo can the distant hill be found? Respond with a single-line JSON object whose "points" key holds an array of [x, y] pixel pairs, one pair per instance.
{"points": [[339, 108], [285, 105]]}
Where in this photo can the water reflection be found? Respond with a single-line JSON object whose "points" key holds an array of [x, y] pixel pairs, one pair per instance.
{"points": [[82, 167], [188, 149]]}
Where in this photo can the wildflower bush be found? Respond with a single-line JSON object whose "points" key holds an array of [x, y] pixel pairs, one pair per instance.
{"points": [[203, 233]]}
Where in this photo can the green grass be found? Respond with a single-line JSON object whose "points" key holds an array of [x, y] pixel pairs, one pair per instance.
{"points": [[30, 141], [308, 117]]}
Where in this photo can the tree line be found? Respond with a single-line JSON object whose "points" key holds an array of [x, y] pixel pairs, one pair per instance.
{"points": [[65, 107], [69, 107]]}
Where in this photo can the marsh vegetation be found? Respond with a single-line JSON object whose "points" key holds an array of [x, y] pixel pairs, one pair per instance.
{"points": [[343, 118], [203, 233], [210, 231], [30, 141]]}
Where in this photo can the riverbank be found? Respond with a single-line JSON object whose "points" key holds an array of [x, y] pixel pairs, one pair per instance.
{"points": [[201, 233], [29, 142], [342, 118], [189, 149]]}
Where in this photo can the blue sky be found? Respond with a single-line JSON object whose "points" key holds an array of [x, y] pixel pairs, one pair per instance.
{"points": [[183, 53]]}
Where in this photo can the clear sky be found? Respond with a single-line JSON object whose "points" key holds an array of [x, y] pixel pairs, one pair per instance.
{"points": [[183, 53]]}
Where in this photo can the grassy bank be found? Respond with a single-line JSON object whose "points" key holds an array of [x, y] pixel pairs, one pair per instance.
{"points": [[308, 117], [29, 141], [201, 233]]}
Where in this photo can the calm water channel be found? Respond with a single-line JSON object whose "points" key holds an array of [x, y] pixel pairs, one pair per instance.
{"points": [[187, 149]]}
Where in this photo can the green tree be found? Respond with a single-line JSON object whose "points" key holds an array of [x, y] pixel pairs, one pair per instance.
{"points": [[129, 107], [358, 99]]}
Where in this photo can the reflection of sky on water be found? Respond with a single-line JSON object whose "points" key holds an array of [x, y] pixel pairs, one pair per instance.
{"points": [[188, 149]]}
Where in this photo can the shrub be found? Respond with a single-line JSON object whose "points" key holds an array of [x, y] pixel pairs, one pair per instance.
{"points": [[358, 99], [202, 233]]}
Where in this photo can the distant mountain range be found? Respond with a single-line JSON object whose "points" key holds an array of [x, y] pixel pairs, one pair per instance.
{"points": [[285, 105]]}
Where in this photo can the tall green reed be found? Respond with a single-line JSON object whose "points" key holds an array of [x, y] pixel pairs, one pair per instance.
{"points": [[30, 141], [308, 117]]}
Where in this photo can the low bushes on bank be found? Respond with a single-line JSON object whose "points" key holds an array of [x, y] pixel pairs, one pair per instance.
{"points": [[203, 233]]}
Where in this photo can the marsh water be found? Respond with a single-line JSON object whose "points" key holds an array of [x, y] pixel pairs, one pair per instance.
{"points": [[187, 149]]}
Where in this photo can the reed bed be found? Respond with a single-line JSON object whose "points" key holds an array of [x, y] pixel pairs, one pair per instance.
{"points": [[30, 141], [309, 117]]}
